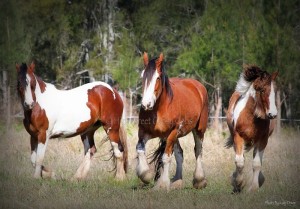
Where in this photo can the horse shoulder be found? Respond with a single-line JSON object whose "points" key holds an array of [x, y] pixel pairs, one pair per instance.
{"points": [[229, 115], [37, 121]]}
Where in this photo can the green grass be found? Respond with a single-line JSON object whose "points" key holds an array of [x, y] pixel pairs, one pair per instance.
{"points": [[18, 188]]}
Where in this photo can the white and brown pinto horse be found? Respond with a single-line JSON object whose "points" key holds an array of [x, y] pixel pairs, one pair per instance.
{"points": [[171, 108], [51, 113], [249, 118]]}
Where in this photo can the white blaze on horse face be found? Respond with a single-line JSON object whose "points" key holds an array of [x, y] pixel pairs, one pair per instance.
{"points": [[28, 100], [149, 97], [272, 112]]}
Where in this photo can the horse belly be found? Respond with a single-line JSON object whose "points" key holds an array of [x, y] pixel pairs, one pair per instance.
{"points": [[69, 121]]}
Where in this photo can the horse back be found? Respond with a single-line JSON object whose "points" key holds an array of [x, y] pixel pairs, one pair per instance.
{"points": [[190, 103], [184, 86]]}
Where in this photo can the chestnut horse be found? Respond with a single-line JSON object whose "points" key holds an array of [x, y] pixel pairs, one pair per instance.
{"points": [[52, 113], [171, 108], [249, 118]]}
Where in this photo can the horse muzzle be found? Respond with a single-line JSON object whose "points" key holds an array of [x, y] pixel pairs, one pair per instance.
{"points": [[271, 116], [147, 107], [29, 106]]}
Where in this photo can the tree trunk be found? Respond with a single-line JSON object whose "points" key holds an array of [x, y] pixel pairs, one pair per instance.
{"points": [[6, 99], [111, 33], [278, 120], [8, 110], [105, 21], [218, 101]]}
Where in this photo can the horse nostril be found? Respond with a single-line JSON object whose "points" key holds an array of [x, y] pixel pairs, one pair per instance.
{"points": [[271, 116], [147, 106], [29, 106], [32, 105]]}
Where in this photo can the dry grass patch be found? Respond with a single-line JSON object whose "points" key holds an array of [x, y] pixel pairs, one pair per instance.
{"points": [[18, 189]]}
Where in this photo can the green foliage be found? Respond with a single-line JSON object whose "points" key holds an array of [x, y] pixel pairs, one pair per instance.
{"points": [[13, 45], [208, 40], [125, 69]]}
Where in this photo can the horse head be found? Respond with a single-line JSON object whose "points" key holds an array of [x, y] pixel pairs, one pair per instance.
{"points": [[26, 85], [153, 80], [264, 94]]}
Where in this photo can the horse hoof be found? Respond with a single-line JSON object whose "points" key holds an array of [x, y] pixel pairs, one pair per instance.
{"points": [[37, 176], [162, 186], [178, 184], [199, 184], [120, 177], [146, 177], [48, 174]]}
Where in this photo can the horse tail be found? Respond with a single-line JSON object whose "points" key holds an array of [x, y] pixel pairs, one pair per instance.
{"points": [[229, 143], [204, 112], [156, 158], [123, 139]]}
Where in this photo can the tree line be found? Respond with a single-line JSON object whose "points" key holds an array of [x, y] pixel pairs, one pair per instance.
{"points": [[208, 40]]}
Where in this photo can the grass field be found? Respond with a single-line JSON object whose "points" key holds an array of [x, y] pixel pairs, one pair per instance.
{"points": [[18, 188]]}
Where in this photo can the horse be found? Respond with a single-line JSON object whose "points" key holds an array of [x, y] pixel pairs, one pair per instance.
{"points": [[52, 113], [170, 109], [250, 117]]}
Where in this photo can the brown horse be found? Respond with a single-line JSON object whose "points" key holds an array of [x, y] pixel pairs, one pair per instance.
{"points": [[171, 108], [249, 118], [51, 113]]}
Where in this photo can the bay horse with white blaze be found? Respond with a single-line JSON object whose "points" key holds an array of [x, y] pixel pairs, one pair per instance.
{"points": [[52, 113], [171, 108], [249, 118]]}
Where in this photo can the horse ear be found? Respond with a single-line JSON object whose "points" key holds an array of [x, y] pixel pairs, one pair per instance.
{"points": [[274, 75], [18, 67], [159, 62], [146, 60], [32, 66]]}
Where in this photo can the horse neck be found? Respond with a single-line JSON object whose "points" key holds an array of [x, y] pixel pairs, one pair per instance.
{"points": [[252, 104], [163, 100], [41, 88]]}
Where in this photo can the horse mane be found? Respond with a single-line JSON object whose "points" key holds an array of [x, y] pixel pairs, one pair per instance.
{"points": [[250, 73], [22, 81], [148, 74]]}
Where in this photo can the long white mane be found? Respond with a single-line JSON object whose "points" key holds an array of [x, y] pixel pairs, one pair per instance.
{"points": [[242, 85]]}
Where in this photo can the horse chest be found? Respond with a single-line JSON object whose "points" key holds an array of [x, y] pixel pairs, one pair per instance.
{"points": [[163, 124], [36, 120], [253, 129]]}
